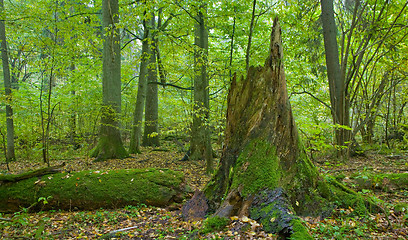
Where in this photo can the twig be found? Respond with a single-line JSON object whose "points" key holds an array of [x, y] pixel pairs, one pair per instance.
{"points": [[365, 168], [112, 233], [172, 85]]}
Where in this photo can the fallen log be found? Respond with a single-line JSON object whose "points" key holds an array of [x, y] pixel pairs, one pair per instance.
{"points": [[87, 190], [31, 174], [388, 182]]}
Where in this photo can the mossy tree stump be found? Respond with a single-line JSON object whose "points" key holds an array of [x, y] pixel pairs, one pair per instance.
{"points": [[264, 172]]}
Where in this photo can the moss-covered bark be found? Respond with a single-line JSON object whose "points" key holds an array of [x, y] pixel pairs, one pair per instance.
{"points": [[382, 181], [264, 171], [35, 173], [95, 189], [110, 143], [109, 146]]}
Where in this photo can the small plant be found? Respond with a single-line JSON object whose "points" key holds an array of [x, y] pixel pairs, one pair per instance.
{"points": [[212, 224]]}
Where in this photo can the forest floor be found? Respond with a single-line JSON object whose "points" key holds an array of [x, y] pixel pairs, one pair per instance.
{"points": [[145, 222]]}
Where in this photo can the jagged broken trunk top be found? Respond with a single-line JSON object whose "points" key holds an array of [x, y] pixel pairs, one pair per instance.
{"points": [[262, 150]]}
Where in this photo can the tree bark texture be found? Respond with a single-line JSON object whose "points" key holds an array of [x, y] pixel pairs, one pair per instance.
{"points": [[10, 155], [336, 82], [200, 133], [141, 91], [151, 126], [110, 143], [259, 115], [73, 118], [264, 171]]}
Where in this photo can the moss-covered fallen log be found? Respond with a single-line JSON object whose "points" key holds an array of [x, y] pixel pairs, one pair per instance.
{"points": [[383, 181], [95, 189], [31, 174]]}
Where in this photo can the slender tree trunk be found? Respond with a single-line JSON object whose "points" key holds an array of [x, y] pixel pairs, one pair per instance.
{"points": [[73, 117], [232, 45], [200, 133], [336, 82], [151, 127], [387, 121], [251, 29], [110, 143], [141, 91], [162, 72], [10, 155]]}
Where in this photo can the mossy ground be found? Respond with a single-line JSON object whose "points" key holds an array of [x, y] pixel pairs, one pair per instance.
{"points": [[213, 224], [95, 189], [157, 223]]}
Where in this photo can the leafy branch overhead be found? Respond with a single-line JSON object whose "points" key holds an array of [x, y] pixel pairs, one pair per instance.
{"points": [[144, 84]]}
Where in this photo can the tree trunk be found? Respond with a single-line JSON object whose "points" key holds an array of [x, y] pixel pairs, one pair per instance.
{"points": [[89, 190], [264, 170], [200, 134], [141, 91], [336, 81], [251, 30], [73, 117], [10, 153], [151, 127], [110, 143]]}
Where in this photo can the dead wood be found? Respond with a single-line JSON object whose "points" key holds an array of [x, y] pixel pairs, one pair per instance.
{"points": [[36, 173]]}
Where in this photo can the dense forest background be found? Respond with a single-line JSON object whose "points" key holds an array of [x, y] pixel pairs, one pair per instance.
{"points": [[54, 50]]}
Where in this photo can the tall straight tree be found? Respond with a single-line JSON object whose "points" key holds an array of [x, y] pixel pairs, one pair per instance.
{"points": [[151, 128], [200, 144], [141, 90], [336, 81], [10, 156], [110, 143], [251, 30]]}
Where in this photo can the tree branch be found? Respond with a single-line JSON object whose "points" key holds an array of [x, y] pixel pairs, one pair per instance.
{"points": [[317, 99], [191, 15], [313, 96], [172, 85]]}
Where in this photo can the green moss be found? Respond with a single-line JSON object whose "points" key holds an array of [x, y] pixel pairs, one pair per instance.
{"points": [[306, 173], [212, 224], [345, 197], [94, 189], [299, 231], [385, 181], [401, 208], [108, 149], [324, 189], [257, 167]]}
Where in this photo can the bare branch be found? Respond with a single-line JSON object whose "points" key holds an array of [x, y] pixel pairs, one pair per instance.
{"points": [[172, 85]]}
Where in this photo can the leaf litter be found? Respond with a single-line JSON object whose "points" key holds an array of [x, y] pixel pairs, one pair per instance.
{"points": [[145, 222]]}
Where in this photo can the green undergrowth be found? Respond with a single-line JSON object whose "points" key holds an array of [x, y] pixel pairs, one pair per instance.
{"points": [[345, 197], [385, 181], [212, 224], [95, 189], [299, 231]]}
